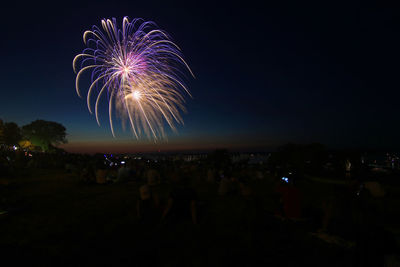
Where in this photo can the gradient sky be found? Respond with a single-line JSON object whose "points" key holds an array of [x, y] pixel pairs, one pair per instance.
{"points": [[265, 75]]}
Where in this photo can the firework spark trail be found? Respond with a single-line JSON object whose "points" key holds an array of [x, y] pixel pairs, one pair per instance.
{"points": [[138, 67]]}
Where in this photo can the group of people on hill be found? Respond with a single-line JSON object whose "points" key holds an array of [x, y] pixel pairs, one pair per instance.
{"points": [[358, 204], [181, 203]]}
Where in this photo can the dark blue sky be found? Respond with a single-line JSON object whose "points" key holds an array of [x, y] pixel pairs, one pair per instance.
{"points": [[265, 75]]}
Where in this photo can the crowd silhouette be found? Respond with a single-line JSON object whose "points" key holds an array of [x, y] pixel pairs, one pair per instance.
{"points": [[260, 210]]}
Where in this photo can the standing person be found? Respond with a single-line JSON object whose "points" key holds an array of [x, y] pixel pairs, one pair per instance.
{"points": [[123, 173], [101, 172], [87, 174], [153, 177], [179, 218], [290, 198], [372, 240], [211, 176], [224, 186], [181, 205], [147, 207]]}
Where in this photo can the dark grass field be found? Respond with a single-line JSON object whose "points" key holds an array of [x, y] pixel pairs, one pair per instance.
{"points": [[56, 220]]}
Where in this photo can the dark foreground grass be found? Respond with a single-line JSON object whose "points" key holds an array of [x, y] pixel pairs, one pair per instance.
{"points": [[55, 220]]}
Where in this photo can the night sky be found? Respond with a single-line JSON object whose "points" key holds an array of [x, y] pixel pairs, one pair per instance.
{"points": [[265, 75]]}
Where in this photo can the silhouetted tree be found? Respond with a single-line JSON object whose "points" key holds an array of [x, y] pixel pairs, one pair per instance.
{"points": [[45, 133], [10, 133], [1, 131]]}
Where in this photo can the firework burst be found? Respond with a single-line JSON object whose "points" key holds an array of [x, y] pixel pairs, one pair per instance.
{"points": [[138, 68]]}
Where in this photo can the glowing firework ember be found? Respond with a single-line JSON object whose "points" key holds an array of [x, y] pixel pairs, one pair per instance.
{"points": [[138, 68]]}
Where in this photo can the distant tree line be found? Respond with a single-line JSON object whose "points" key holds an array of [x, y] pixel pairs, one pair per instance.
{"points": [[315, 159], [39, 135]]}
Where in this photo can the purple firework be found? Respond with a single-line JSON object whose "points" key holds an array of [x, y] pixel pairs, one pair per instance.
{"points": [[138, 67]]}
